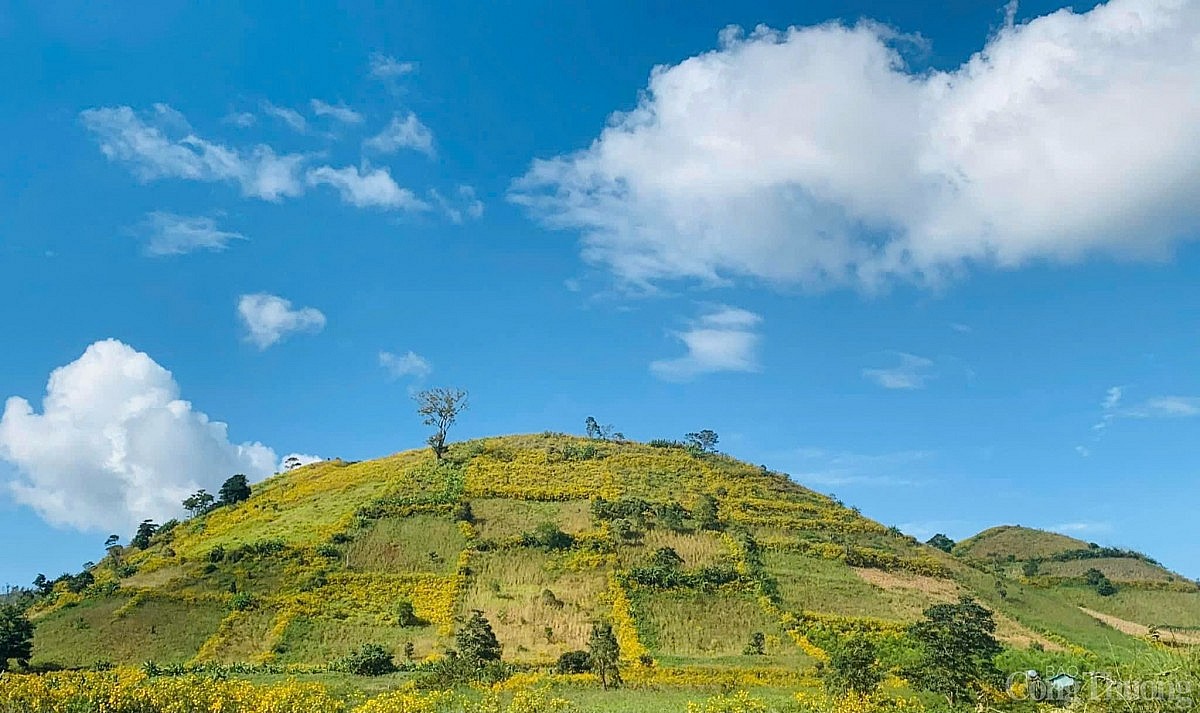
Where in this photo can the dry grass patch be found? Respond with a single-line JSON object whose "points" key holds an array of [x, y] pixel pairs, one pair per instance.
{"points": [[697, 549], [497, 519], [416, 544], [508, 590]]}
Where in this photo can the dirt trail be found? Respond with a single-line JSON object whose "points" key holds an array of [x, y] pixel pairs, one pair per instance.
{"points": [[1135, 629]]}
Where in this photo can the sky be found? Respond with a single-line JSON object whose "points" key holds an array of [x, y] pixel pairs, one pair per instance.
{"points": [[936, 259]]}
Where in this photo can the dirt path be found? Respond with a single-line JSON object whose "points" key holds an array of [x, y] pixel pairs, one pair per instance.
{"points": [[1135, 629]]}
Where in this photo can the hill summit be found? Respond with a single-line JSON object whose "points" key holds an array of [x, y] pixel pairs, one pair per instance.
{"points": [[697, 559]]}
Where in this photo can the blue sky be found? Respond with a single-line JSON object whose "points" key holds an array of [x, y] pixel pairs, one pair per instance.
{"points": [[936, 261]]}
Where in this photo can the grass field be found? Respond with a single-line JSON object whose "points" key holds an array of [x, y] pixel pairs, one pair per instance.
{"points": [[415, 544]]}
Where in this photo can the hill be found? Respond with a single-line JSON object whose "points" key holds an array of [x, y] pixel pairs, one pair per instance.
{"points": [[689, 554]]}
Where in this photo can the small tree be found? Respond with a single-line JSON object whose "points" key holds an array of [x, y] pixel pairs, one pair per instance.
{"points": [[440, 408], [958, 647], [757, 645], [604, 653], [706, 514], [199, 502], [234, 490], [940, 541], [666, 557], [42, 585], [854, 668], [702, 441], [291, 463], [16, 637], [1031, 568], [476, 642], [406, 615], [145, 531]]}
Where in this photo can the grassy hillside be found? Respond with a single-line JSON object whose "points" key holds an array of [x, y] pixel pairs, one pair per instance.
{"points": [[545, 534]]}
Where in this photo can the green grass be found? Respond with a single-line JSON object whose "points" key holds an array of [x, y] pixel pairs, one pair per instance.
{"points": [[162, 631], [496, 518], [686, 626], [813, 584], [1118, 569], [319, 641], [1147, 607], [1020, 542], [416, 544]]}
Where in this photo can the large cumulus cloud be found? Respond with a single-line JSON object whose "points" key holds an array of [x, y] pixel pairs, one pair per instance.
{"points": [[816, 156], [115, 444]]}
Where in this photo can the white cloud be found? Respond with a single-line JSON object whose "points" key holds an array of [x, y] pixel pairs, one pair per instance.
{"points": [[291, 117], [338, 111], [1080, 528], [724, 339], [115, 444], [172, 234], [402, 133], [1166, 407], [384, 67], [464, 206], [815, 156], [365, 187], [410, 364], [160, 144], [820, 467], [242, 119], [961, 328], [301, 459], [913, 372], [270, 318]]}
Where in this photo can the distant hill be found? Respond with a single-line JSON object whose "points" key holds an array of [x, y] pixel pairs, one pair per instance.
{"points": [[687, 553]]}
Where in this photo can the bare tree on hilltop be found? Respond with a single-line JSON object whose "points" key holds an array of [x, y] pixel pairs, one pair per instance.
{"points": [[440, 408]]}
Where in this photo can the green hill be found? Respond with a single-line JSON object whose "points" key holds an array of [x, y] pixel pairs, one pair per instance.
{"points": [[545, 534]]}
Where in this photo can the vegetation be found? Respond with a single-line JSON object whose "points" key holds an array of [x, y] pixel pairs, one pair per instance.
{"points": [[16, 636], [958, 648], [440, 408]]}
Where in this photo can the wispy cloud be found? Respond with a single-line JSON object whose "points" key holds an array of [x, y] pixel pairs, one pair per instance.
{"points": [[1166, 407], [339, 112], [243, 119], [961, 328], [409, 364], [405, 132], [160, 144], [724, 339], [1080, 528], [821, 467], [291, 117], [463, 206], [269, 319], [171, 234], [366, 187], [912, 372], [385, 67]]}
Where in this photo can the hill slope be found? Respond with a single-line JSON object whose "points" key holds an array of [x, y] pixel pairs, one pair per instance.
{"points": [[544, 534]]}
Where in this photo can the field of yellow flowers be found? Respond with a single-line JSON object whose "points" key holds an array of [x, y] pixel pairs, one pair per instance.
{"points": [[132, 691]]}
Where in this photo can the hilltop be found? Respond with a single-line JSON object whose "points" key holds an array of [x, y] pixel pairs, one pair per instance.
{"points": [[688, 553]]}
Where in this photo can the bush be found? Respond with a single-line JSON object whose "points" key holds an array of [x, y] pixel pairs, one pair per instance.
{"points": [[573, 662], [243, 602], [548, 536], [367, 660]]}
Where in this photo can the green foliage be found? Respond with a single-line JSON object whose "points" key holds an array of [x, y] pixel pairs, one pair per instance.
{"points": [[199, 502], [958, 648], [604, 652], [854, 667], [702, 441], [145, 531], [234, 490], [406, 614], [941, 542], [243, 602], [548, 536], [476, 642], [573, 662], [706, 514], [367, 660], [666, 557], [16, 636], [757, 646]]}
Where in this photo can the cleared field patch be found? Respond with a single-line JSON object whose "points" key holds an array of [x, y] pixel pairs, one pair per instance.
{"points": [[814, 584], [1118, 569], [415, 544], [1135, 629], [242, 636], [319, 641], [697, 549], [496, 518], [509, 591], [161, 630], [691, 625], [1147, 607]]}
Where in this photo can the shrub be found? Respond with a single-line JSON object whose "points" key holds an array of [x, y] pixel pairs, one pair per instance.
{"points": [[573, 662], [243, 602], [757, 645], [548, 536], [367, 660]]}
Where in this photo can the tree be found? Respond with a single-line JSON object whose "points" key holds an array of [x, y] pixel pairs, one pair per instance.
{"points": [[666, 557], [145, 531], [605, 653], [703, 441], [234, 490], [440, 408], [476, 642], [941, 542], [1031, 568], [291, 463], [706, 514], [42, 585], [16, 637], [854, 668], [601, 432], [406, 615], [199, 502], [958, 646]]}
